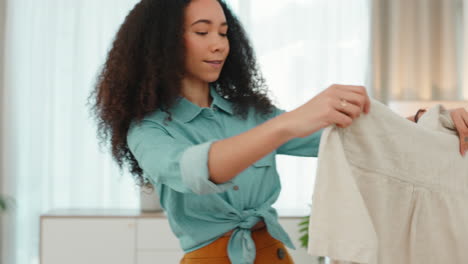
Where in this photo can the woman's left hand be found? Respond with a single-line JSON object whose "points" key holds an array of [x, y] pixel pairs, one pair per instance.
{"points": [[460, 118]]}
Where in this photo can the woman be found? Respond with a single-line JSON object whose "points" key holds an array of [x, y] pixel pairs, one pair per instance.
{"points": [[184, 105]]}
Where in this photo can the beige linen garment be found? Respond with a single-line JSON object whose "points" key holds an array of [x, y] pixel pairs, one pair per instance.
{"points": [[389, 191]]}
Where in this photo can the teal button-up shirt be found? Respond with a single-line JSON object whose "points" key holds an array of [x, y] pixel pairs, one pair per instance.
{"points": [[174, 158]]}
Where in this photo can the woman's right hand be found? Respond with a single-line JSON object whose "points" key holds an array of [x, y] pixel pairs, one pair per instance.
{"points": [[338, 104]]}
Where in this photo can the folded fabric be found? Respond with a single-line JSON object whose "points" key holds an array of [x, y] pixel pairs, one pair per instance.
{"points": [[390, 191]]}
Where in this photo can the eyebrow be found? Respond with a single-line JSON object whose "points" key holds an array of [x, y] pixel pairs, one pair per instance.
{"points": [[206, 21]]}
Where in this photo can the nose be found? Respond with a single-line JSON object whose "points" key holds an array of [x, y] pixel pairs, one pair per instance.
{"points": [[219, 44]]}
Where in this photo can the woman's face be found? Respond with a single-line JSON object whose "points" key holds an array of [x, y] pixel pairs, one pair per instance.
{"points": [[206, 42]]}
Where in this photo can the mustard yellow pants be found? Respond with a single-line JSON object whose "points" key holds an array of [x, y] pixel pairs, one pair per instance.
{"points": [[269, 251]]}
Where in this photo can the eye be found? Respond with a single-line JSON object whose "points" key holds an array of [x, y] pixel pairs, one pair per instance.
{"points": [[223, 35], [201, 33]]}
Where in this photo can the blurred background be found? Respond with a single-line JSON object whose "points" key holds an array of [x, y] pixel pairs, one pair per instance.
{"points": [[51, 51]]}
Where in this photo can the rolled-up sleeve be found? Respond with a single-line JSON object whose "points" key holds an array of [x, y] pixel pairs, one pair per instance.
{"points": [[303, 147], [179, 165]]}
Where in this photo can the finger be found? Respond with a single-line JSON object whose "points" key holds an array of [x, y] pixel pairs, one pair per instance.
{"points": [[460, 120], [349, 109], [361, 90], [367, 104], [465, 116], [353, 88], [353, 98], [342, 120], [465, 138], [462, 129]]}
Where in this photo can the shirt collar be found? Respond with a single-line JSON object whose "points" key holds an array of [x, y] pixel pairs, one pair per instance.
{"points": [[186, 111]]}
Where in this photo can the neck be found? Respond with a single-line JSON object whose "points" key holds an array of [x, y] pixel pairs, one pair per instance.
{"points": [[197, 92]]}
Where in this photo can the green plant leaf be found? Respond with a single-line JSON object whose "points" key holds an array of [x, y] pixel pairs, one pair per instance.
{"points": [[3, 204], [6, 203], [304, 240]]}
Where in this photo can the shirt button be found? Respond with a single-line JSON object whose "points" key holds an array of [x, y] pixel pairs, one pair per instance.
{"points": [[281, 254], [215, 108], [235, 188]]}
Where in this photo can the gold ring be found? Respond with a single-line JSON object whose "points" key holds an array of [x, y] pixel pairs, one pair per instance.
{"points": [[343, 103]]}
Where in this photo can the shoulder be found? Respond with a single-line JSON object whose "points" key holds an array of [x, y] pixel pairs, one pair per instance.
{"points": [[151, 122], [158, 117]]}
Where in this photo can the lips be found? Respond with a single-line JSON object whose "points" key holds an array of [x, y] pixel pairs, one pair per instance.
{"points": [[214, 63]]}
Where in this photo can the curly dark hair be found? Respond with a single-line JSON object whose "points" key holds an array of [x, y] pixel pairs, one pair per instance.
{"points": [[144, 70]]}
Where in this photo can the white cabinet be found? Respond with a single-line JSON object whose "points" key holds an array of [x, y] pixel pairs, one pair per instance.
{"points": [[88, 240], [155, 241], [122, 237]]}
